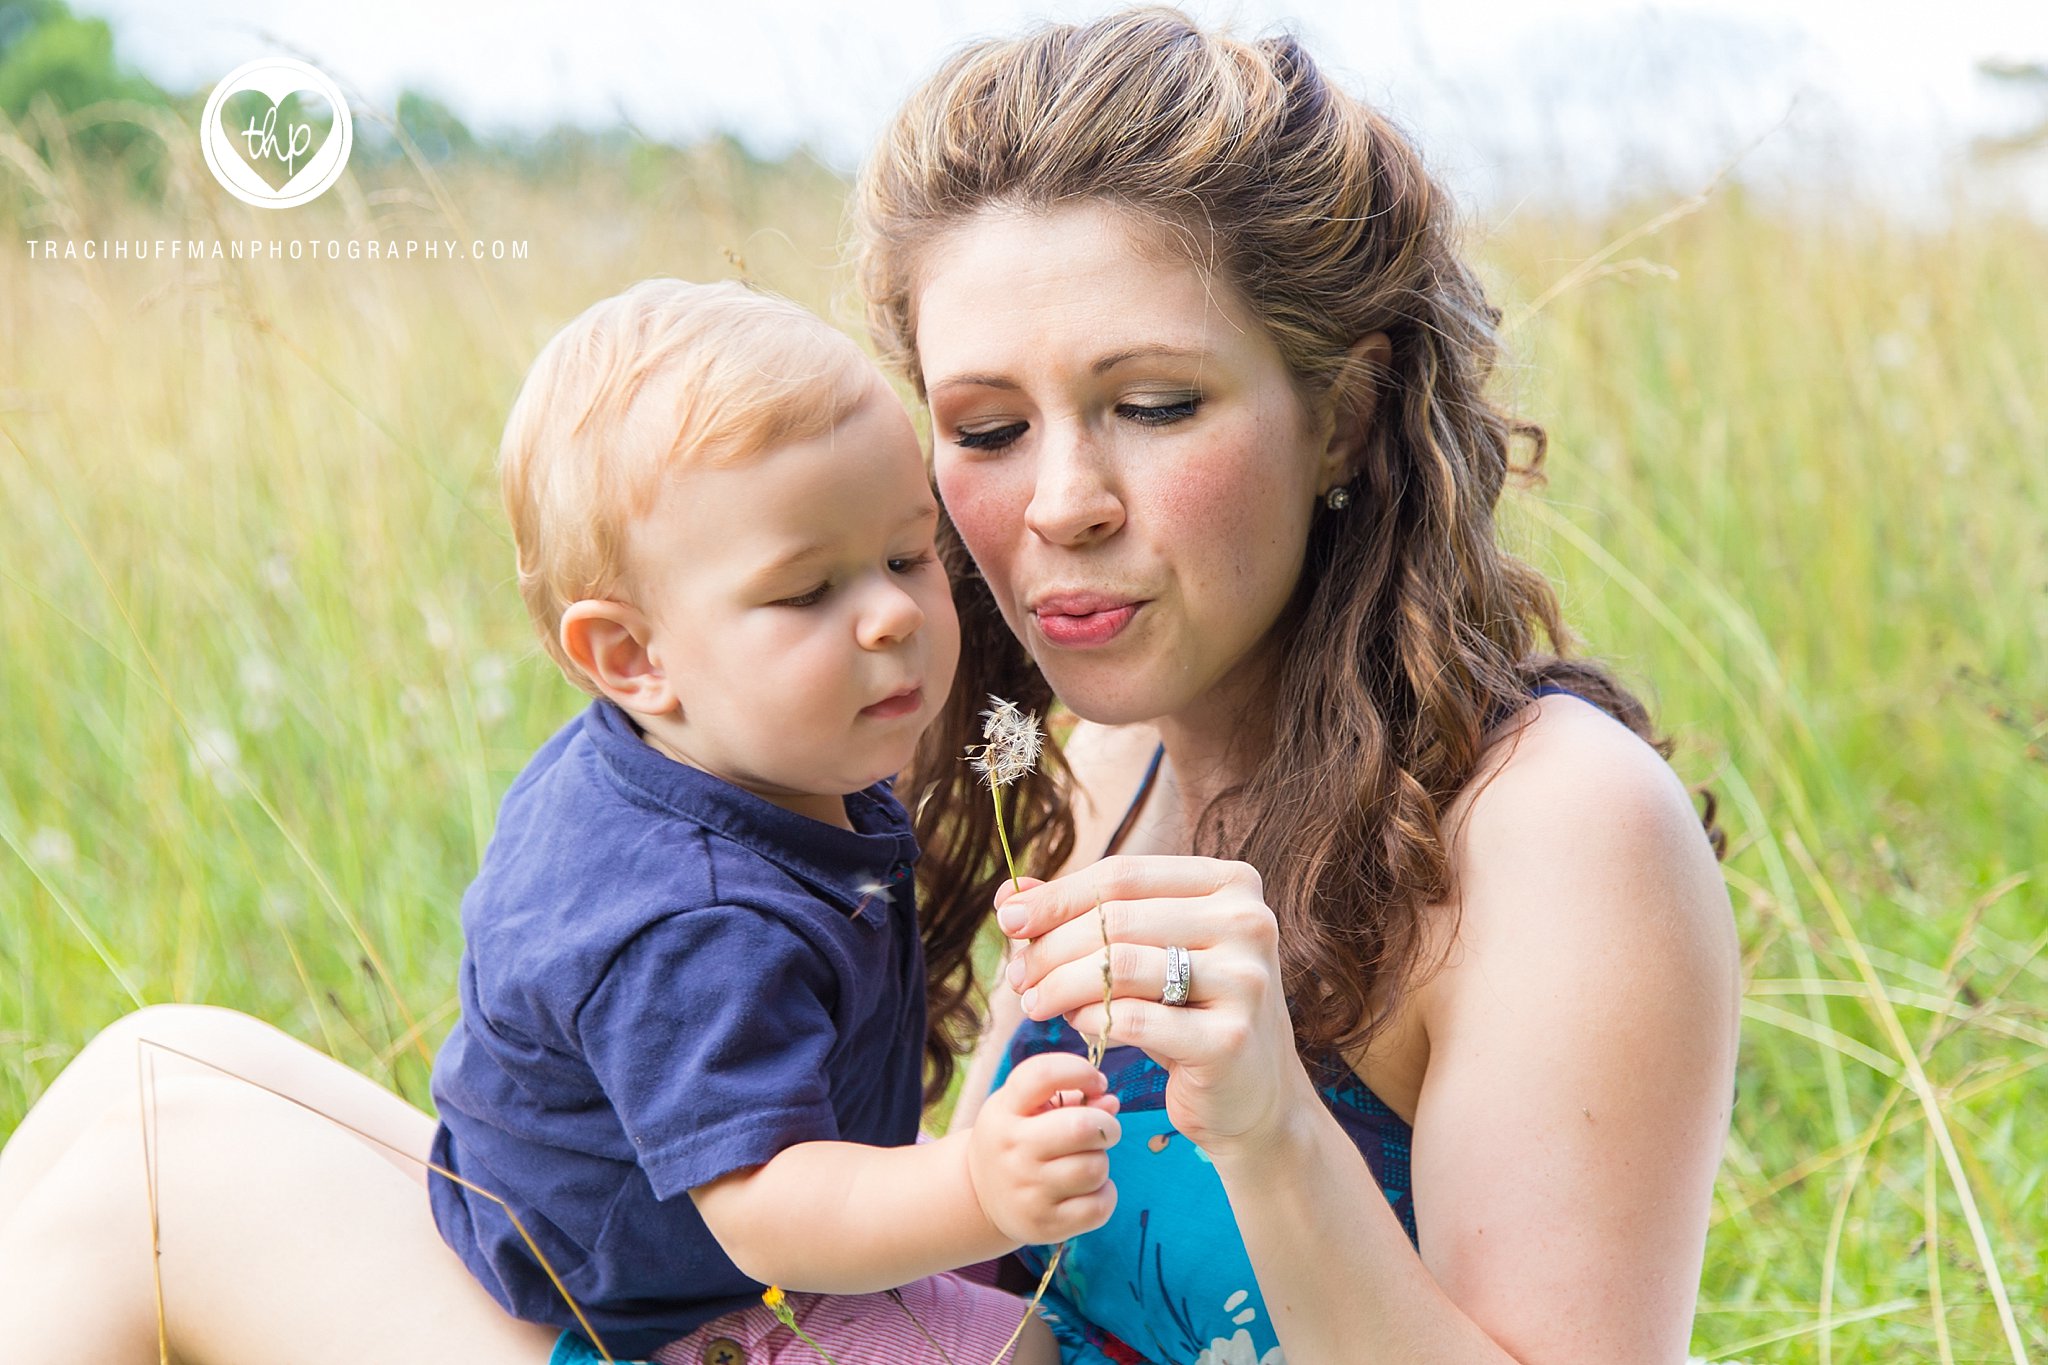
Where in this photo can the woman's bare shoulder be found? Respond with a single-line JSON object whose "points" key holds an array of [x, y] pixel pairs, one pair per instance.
{"points": [[1572, 811]]}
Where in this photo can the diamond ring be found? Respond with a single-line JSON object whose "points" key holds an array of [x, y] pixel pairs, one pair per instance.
{"points": [[1180, 969]]}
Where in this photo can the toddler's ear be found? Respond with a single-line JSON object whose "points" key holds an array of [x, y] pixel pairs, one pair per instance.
{"points": [[608, 641]]}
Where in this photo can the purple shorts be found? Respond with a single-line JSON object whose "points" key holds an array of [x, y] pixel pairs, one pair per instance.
{"points": [[965, 1314]]}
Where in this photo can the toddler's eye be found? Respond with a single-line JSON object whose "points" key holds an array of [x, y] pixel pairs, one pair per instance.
{"points": [[809, 599], [995, 438], [1160, 414], [912, 563]]}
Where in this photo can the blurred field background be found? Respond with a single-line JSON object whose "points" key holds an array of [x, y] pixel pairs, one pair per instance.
{"points": [[266, 672]]}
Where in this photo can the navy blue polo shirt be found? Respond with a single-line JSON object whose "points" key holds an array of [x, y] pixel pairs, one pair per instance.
{"points": [[664, 978]]}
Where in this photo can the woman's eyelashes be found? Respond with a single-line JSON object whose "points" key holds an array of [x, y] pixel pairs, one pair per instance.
{"points": [[1148, 414], [1159, 414], [995, 438], [900, 564]]}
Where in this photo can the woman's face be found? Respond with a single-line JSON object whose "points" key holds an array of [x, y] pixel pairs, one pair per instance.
{"points": [[1118, 441]]}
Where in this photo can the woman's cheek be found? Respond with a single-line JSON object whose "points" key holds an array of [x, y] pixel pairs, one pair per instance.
{"points": [[983, 511]]}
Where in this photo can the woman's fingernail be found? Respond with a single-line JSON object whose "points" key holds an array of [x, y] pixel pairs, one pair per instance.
{"points": [[1011, 917], [1031, 1000]]}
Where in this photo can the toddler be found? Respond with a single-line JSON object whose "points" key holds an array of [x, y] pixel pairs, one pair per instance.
{"points": [[690, 1051]]}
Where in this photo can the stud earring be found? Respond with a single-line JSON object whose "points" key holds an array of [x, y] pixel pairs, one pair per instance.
{"points": [[1338, 498]]}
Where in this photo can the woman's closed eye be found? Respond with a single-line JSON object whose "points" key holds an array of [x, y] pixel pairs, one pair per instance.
{"points": [[1159, 414], [994, 438]]}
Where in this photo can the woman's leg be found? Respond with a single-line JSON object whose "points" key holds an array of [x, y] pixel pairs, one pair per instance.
{"points": [[103, 1076], [284, 1236]]}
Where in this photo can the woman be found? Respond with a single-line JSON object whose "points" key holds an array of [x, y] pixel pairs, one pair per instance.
{"points": [[1205, 378]]}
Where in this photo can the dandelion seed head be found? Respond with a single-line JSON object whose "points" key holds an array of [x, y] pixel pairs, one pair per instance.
{"points": [[1014, 742]]}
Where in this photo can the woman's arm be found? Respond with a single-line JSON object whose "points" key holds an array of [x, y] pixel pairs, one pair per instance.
{"points": [[1582, 1052]]}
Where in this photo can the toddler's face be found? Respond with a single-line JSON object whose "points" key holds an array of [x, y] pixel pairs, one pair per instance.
{"points": [[799, 610]]}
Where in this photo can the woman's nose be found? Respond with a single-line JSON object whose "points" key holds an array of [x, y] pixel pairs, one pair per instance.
{"points": [[891, 617], [1073, 501]]}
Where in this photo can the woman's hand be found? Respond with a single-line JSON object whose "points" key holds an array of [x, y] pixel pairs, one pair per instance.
{"points": [[1040, 1166], [1234, 1077]]}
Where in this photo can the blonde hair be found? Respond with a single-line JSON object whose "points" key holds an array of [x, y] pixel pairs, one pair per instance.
{"points": [[1411, 629], [665, 373]]}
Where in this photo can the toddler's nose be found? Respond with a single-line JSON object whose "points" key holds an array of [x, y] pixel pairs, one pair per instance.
{"points": [[893, 618]]}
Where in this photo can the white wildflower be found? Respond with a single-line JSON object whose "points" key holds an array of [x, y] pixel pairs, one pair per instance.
{"points": [[51, 848], [489, 675], [283, 907], [440, 632], [262, 690], [1892, 351], [1014, 742], [216, 756], [415, 701], [493, 705]]}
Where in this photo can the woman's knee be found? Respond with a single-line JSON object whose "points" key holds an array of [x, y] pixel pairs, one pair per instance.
{"points": [[201, 1031]]}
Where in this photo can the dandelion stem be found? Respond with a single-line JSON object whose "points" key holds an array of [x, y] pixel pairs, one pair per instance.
{"points": [[1004, 835]]}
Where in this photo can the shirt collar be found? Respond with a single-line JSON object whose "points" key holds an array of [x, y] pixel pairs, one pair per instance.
{"points": [[859, 869]]}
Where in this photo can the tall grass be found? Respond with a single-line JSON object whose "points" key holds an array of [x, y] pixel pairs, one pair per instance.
{"points": [[266, 672]]}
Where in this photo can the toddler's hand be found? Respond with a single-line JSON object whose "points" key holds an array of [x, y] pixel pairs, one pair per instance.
{"points": [[1040, 1168]]}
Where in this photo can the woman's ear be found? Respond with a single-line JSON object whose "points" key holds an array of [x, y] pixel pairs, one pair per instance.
{"points": [[1354, 400], [610, 642]]}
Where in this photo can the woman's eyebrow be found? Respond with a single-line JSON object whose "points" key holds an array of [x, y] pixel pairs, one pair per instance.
{"points": [[974, 381], [1103, 365], [1116, 358]]}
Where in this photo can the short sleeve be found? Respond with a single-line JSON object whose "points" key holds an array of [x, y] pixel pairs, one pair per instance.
{"points": [[709, 1034]]}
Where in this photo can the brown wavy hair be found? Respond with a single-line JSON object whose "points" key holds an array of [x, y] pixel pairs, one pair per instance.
{"points": [[1411, 629]]}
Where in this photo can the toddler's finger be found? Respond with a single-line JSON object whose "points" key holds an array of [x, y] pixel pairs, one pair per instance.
{"points": [[1037, 1079], [1085, 1212], [1076, 1173], [1059, 1132]]}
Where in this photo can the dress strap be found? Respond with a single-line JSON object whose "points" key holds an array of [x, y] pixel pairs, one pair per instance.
{"points": [[1137, 802]]}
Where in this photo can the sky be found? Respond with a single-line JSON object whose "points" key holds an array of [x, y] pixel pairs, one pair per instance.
{"points": [[1511, 99]]}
